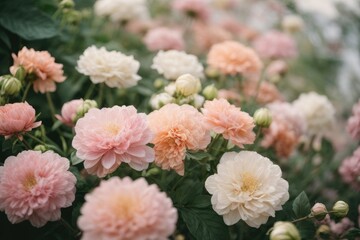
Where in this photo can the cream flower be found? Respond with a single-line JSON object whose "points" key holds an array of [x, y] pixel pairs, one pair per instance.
{"points": [[111, 67], [172, 64], [247, 186]]}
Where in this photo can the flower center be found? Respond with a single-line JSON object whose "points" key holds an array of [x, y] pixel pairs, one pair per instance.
{"points": [[112, 129], [29, 181], [249, 183], [124, 207]]}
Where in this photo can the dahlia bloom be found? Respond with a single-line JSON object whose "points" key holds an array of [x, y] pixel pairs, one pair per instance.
{"points": [[35, 186], [111, 67], [228, 120], [198, 9], [353, 124], [16, 119], [163, 38], [208, 35], [104, 138], [285, 130], [68, 112], [318, 111], [172, 64], [42, 66], [265, 93], [128, 210], [233, 58], [177, 129], [350, 169], [247, 186], [275, 44]]}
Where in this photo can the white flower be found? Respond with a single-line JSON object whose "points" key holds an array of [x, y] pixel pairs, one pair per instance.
{"points": [[172, 64], [113, 68], [247, 186], [187, 85], [170, 89], [198, 101], [122, 10], [318, 111], [326, 8], [159, 100], [292, 23]]}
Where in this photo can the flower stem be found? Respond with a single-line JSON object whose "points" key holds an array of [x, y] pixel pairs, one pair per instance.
{"points": [[101, 94], [68, 227], [36, 139], [51, 106], [26, 144], [28, 85], [89, 92]]}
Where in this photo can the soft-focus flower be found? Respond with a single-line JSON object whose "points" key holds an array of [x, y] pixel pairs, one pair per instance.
{"points": [[247, 186], [292, 23], [163, 38], [208, 35], [226, 119], [231, 95], [104, 138], [128, 210], [161, 99], [265, 93], [350, 169], [274, 44], [318, 111], [111, 67], [276, 68], [187, 85], [41, 66], [285, 130], [233, 58], [353, 124], [324, 8], [16, 119], [341, 227], [284, 231], [198, 9], [83, 108], [319, 211], [177, 129], [35, 186], [172, 64], [68, 112], [122, 10], [210, 92]]}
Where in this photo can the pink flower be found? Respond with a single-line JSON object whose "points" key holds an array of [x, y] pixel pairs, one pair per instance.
{"points": [[266, 93], [68, 112], [177, 128], [34, 186], [350, 169], [42, 66], [198, 9], [208, 35], [275, 44], [163, 38], [106, 137], [276, 68], [17, 118], [341, 227], [233, 58], [228, 120], [353, 124], [128, 210]]}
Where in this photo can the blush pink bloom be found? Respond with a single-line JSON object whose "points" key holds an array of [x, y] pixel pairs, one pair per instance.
{"points": [[266, 93], [42, 66], [198, 9], [233, 58], [177, 129], [104, 138], [228, 120], [68, 112], [16, 119], [231, 95], [350, 170], [341, 227], [127, 210], [353, 124], [163, 38], [208, 35], [274, 44], [35, 186], [276, 68]]}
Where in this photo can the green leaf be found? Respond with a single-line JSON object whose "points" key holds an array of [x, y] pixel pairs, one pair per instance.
{"points": [[204, 224], [307, 229], [301, 205], [74, 159], [187, 191], [352, 234], [200, 201], [5, 38]]}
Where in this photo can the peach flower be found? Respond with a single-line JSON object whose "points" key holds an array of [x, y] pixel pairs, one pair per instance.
{"points": [[104, 138], [233, 58], [177, 128], [42, 66], [198, 9], [163, 38], [68, 112], [267, 92], [228, 120], [208, 35], [127, 210], [35, 186], [231, 95], [16, 119]]}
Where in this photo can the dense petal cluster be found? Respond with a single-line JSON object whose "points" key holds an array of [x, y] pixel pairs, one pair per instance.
{"points": [[68, 112], [163, 38], [353, 124], [104, 138], [247, 186], [128, 210], [350, 169], [198, 9], [263, 94], [35, 186]]}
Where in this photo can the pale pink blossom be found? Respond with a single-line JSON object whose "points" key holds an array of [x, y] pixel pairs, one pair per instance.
{"points": [[341, 227], [350, 170], [353, 124], [68, 112], [208, 35], [163, 38], [238, 29], [127, 210], [41, 66], [16, 119], [228, 120], [104, 138], [177, 129], [232, 95], [35, 186], [276, 68], [275, 44], [198, 9]]}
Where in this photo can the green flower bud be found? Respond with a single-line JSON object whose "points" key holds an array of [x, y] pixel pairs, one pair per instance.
{"points": [[284, 231], [10, 86], [20, 73], [262, 117], [319, 211], [84, 108], [210, 92], [41, 148], [340, 209], [159, 83], [212, 72], [67, 4], [187, 85], [323, 232]]}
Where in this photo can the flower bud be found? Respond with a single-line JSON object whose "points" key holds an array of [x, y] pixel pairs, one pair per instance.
{"points": [[284, 231], [262, 117], [323, 232], [84, 108], [187, 85], [10, 86], [340, 209], [41, 148], [159, 100], [20, 73], [198, 101], [319, 211], [159, 83], [67, 4], [210, 92], [292, 23], [212, 72]]}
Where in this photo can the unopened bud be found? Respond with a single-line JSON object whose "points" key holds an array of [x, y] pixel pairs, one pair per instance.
{"points": [[262, 117], [198, 101], [159, 83], [187, 85], [84, 108], [292, 23], [67, 4], [210, 92], [319, 211], [20, 73], [284, 231], [323, 231], [340, 209], [212, 72], [159, 100], [41, 148], [10, 86]]}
